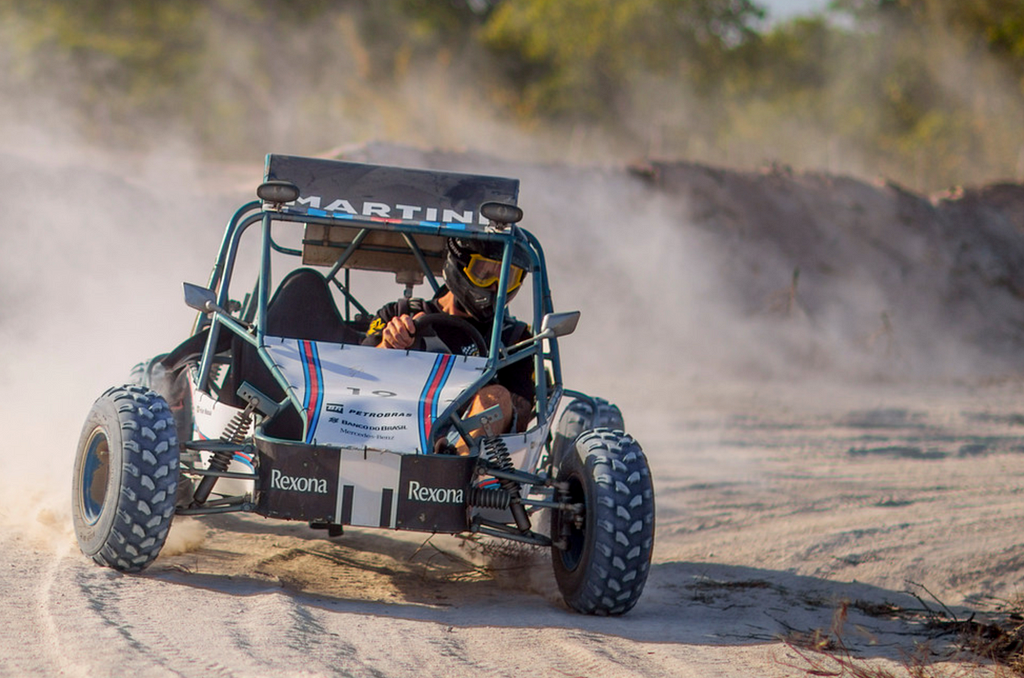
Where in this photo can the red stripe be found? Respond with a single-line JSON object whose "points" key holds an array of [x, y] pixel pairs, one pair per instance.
{"points": [[428, 402], [314, 385]]}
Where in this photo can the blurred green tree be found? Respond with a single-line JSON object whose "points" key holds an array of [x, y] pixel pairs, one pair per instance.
{"points": [[571, 57], [929, 92], [138, 48]]}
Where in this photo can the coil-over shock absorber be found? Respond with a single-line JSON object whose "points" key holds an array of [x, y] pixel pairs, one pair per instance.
{"points": [[497, 452], [234, 436], [489, 498]]}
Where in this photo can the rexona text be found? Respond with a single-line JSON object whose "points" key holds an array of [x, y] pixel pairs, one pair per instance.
{"points": [[279, 481], [437, 495]]}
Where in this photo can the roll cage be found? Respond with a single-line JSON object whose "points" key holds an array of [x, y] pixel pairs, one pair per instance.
{"points": [[348, 239]]}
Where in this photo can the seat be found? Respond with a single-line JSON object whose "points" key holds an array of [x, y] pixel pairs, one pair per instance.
{"points": [[302, 307]]}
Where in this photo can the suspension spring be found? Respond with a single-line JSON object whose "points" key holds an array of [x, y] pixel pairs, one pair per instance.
{"points": [[489, 498], [238, 428], [234, 434], [497, 451]]}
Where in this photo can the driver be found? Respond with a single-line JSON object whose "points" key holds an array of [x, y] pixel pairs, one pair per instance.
{"points": [[471, 272]]}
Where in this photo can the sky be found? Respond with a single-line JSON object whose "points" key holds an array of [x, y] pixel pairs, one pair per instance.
{"points": [[780, 9]]}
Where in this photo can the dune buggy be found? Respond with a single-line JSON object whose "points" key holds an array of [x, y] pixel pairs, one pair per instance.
{"points": [[274, 406]]}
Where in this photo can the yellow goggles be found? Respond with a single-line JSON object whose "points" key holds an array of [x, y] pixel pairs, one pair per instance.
{"points": [[484, 272]]}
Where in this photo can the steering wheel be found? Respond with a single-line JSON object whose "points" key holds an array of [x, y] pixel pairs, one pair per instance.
{"points": [[432, 321]]}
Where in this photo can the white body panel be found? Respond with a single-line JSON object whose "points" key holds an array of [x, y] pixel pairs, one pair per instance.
{"points": [[376, 405], [368, 474], [364, 397], [209, 419]]}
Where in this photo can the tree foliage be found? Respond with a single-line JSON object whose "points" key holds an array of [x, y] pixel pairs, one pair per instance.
{"points": [[574, 56], [929, 92]]}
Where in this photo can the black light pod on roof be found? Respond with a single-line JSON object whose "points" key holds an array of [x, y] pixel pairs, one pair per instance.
{"points": [[501, 213], [277, 191]]}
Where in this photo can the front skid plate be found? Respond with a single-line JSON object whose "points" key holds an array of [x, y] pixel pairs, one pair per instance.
{"points": [[363, 487]]}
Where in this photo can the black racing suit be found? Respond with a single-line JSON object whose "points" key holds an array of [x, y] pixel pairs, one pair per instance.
{"points": [[517, 378]]}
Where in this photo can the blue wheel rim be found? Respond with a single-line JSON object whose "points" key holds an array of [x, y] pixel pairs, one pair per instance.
{"points": [[95, 474]]}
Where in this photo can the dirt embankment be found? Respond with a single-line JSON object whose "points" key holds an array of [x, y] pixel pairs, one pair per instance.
{"points": [[949, 264], [766, 273], [774, 273]]}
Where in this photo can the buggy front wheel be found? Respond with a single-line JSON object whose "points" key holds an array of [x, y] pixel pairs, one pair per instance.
{"points": [[125, 478], [603, 551]]}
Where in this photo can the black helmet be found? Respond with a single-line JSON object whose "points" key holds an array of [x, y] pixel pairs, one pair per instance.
{"points": [[471, 270]]}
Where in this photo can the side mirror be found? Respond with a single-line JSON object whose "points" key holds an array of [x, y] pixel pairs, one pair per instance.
{"points": [[559, 324], [202, 299]]}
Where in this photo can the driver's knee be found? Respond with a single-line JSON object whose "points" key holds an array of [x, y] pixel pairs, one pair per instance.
{"points": [[486, 398]]}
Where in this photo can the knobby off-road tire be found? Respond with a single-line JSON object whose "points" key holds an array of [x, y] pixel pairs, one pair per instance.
{"points": [[580, 415], [125, 479], [172, 387], [604, 566]]}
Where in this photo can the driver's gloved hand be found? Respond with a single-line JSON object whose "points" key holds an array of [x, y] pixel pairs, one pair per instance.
{"points": [[400, 332]]}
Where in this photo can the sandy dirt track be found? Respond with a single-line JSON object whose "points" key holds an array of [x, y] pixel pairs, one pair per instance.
{"points": [[866, 510], [775, 512]]}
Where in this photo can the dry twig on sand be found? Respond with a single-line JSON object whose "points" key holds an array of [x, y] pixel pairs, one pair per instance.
{"points": [[827, 654]]}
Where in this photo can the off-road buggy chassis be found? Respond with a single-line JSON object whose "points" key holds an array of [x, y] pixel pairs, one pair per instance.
{"points": [[272, 406]]}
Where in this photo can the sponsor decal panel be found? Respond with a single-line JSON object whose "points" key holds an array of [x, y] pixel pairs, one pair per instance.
{"points": [[280, 481], [362, 397], [432, 492], [297, 482], [437, 495], [384, 211]]}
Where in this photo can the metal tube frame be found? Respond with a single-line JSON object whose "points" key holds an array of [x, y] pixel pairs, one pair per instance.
{"points": [[544, 352]]}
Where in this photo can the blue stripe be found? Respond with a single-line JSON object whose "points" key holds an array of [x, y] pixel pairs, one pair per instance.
{"points": [[319, 390], [419, 405], [243, 459], [305, 376], [440, 387]]}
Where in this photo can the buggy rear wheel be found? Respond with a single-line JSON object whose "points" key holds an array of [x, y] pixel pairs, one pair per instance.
{"points": [[603, 553], [125, 478]]}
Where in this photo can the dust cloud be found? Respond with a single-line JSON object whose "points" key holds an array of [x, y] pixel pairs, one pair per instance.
{"points": [[695, 282], [713, 299], [683, 299], [92, 263]]}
